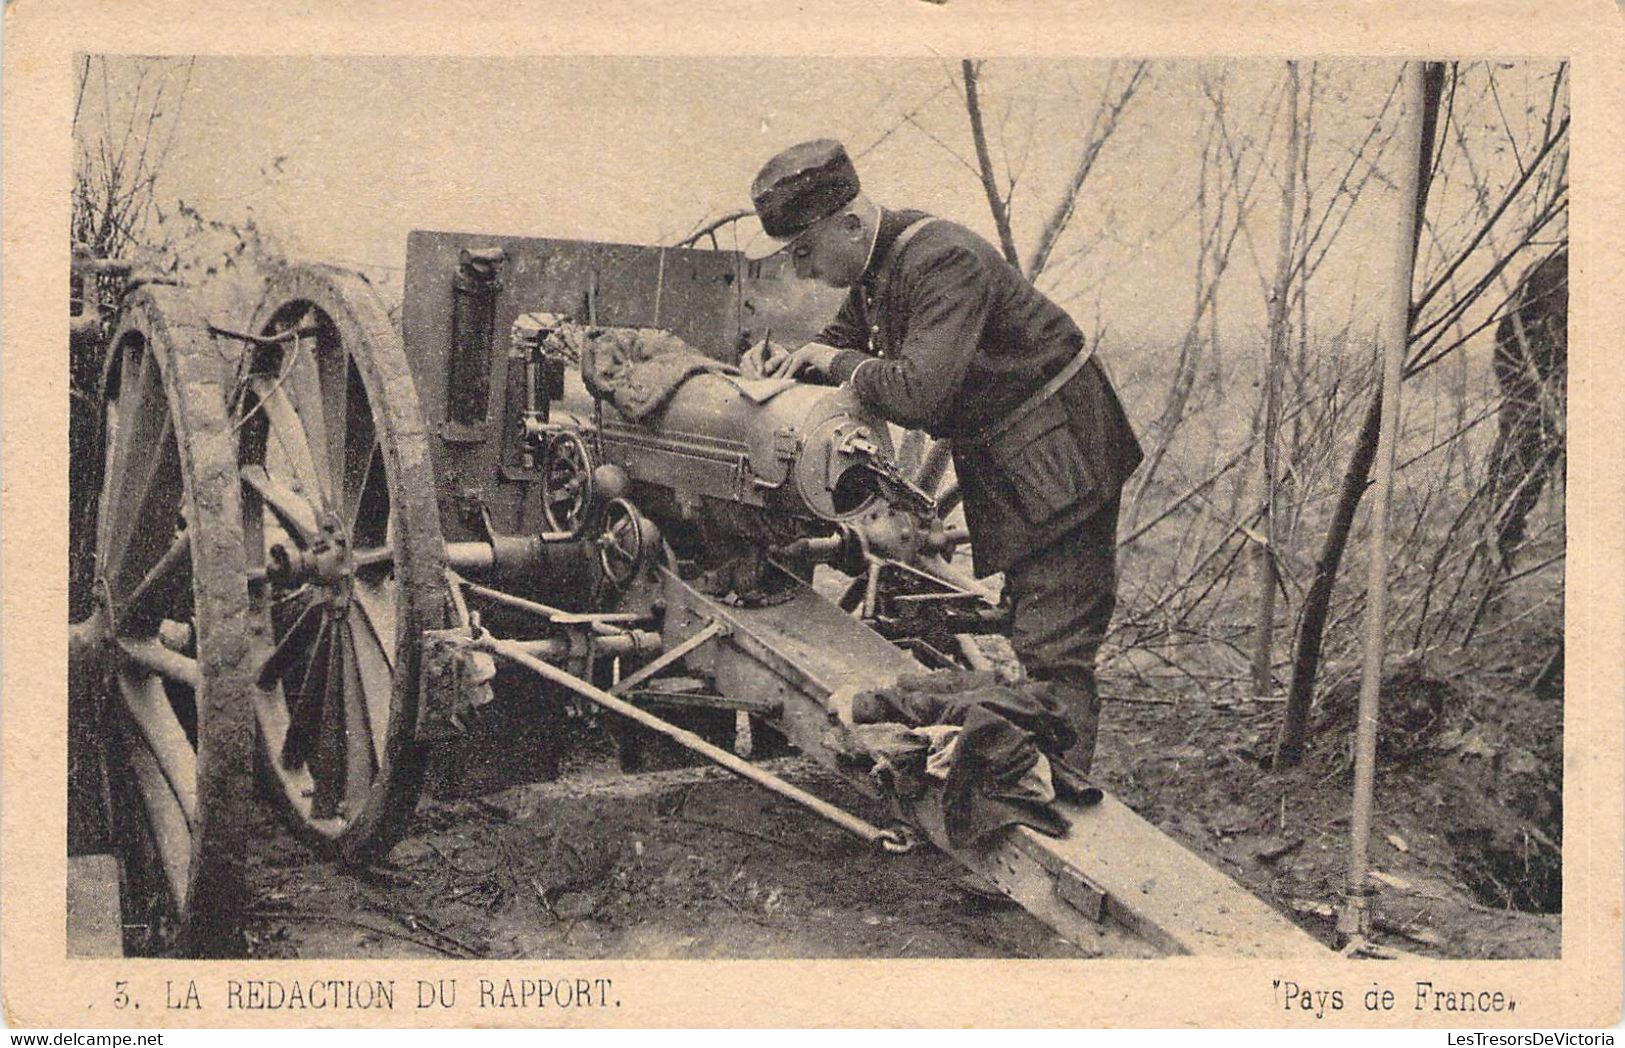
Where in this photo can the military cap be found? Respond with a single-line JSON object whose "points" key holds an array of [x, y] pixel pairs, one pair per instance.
{"points": [[799, 188]]}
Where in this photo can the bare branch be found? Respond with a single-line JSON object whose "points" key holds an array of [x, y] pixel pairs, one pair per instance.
{"points": [[1506, 125], [1418, 364], [1197, 489], [906, 118], [79, 92], [1444, 125], [1484, 229], [1001, 217], [1106, 118], [1551, 104], [937, 140]]}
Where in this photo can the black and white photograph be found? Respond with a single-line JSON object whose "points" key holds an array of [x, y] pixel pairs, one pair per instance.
{"points": [[955, 505], [899, 515]]}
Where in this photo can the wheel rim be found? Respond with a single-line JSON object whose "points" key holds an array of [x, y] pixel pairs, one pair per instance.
{"points": [[566, 482], [174, 613], [622, 543], [343, 556]]}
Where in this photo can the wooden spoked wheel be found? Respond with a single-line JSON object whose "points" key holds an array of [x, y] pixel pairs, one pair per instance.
{"points": [[171, 625], [344, 556]]}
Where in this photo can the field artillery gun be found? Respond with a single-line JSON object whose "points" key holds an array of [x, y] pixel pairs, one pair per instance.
{"points": [[318, 540]]}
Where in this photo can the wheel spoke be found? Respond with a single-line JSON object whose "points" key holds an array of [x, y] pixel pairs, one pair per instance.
{"points": [[300, 637], [305, 705], [360, 442], [304, 389], [117, 438], [373, 668], [360, 758], [289, 429], [333, 379], [140, 392], [153, 657], [376, 600], [112, 457], [164, 586], [148, 705], [292, 511], [170, 834], [328, 766], [368, 510], [146, 507], [373, 557]]}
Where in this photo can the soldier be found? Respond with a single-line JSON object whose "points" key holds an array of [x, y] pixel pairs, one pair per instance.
{"points": [[939, 333]]}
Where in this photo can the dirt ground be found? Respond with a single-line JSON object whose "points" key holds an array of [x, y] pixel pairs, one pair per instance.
{"points": [[683, 863], [689, 862], [1462, 837]]}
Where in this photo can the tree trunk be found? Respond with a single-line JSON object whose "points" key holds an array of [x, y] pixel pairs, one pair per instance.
{"points": [[1001, 216], [1264, 632], [1316, 603]]}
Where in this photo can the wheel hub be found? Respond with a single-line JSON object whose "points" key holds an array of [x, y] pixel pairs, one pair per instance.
{"points": [[326, 563]]}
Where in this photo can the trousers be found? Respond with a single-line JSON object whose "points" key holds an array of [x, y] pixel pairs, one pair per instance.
{"points": [[1061, 602]]}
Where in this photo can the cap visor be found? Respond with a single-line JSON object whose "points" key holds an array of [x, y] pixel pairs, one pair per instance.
{"points": [[763, 246]]}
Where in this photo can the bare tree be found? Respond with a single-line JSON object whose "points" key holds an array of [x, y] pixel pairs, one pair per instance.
{"points": [[118, 160], [1221, 181], [1263, 651], [1431, 339], [1311, 630], [1102, 127], [122, 139], [995, 203]]}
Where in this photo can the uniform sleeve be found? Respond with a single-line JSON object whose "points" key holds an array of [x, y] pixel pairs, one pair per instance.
{"points": [[846, 364], [946, 301]]}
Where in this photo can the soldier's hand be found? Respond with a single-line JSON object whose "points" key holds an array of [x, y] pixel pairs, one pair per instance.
{"points": [[760, 360], [815, 358]]}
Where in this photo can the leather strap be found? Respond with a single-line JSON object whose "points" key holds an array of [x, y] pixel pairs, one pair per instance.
{"points": [[902, 241], [992, 431], [1026, 407], [888, 263]]}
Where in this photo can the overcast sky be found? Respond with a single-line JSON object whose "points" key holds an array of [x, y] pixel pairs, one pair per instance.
{"points": [[341, 158]]}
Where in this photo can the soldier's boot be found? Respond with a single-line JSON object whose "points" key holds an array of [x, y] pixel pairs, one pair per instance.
{"points": [[1082, 705]]}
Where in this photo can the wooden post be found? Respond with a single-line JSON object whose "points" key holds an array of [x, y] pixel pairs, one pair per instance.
{"points": [[1317, 601], [1354, 921]]}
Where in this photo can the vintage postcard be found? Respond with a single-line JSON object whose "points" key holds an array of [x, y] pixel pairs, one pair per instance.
{"points": [[909, 514]]}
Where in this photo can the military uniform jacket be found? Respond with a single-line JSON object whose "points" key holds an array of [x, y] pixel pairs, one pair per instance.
{"points": [[946, 336]]}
